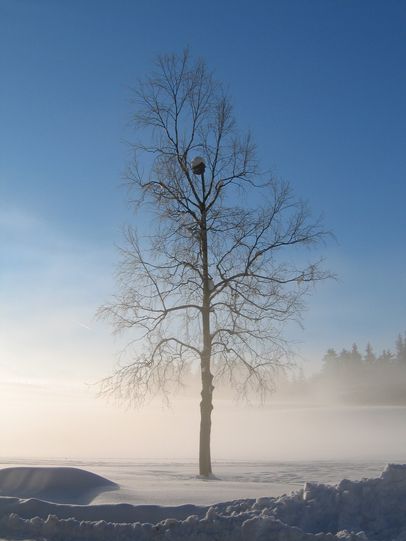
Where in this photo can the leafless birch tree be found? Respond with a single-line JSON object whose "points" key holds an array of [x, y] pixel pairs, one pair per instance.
{"points": [[219, 269]]}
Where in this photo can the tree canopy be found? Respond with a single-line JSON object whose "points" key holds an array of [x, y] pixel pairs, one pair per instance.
{"points": [[222, 267]]}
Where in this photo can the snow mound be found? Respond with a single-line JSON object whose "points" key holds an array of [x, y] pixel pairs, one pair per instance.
{"points": [[371, 509], [64, 485]]}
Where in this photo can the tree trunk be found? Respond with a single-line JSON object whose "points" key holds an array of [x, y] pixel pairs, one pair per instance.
{"points": [[206, 404], [206, 407]]}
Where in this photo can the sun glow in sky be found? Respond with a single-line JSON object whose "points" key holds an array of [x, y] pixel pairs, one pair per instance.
{"points": [[322, 87]]}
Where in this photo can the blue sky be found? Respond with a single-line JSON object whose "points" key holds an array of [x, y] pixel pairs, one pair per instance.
{"points": [[320, 83]]}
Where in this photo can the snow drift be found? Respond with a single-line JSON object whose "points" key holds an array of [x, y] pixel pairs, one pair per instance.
{"points": [[64, 485], [371, 509]]}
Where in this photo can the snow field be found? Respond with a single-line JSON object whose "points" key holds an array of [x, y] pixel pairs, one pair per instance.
{"points": [[371, 509]]}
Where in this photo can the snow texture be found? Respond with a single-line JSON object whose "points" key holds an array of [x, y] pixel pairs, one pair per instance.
{"points": [[370, 509], [63, 485]]}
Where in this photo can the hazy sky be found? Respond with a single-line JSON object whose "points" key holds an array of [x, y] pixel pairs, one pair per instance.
{"points": [[322, 86]]}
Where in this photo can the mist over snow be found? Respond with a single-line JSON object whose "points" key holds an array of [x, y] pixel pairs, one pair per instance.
{"points": [[71, 422]]}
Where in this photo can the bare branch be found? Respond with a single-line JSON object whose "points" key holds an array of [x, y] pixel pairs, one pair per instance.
{"points": [[224, 265]]}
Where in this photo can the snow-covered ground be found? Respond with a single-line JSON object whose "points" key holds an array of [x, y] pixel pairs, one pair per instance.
{"points": [[169, 503], [175, 483]]}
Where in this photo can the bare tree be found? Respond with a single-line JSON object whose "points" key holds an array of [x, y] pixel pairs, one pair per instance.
{"points": [[216, 278]]}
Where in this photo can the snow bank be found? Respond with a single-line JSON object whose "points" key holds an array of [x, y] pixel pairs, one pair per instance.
{"points": [[371, 509], [67, 485]]}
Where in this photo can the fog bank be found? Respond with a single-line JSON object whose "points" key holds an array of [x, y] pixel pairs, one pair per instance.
{"points": [[72, 423]]}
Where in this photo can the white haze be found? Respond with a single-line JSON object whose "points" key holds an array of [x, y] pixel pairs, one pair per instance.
{"points": [[68, 422], [50, 346]]}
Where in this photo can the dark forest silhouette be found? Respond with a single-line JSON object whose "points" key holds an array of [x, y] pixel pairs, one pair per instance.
{"points": [[355, 376], [352, 376]]}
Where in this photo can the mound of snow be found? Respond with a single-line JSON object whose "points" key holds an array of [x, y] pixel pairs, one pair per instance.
{"points": [[371, 509], [64, 485]]}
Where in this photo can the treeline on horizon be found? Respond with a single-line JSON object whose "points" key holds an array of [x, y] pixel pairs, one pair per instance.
{"points": [[355, 377], [351, 376]]}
